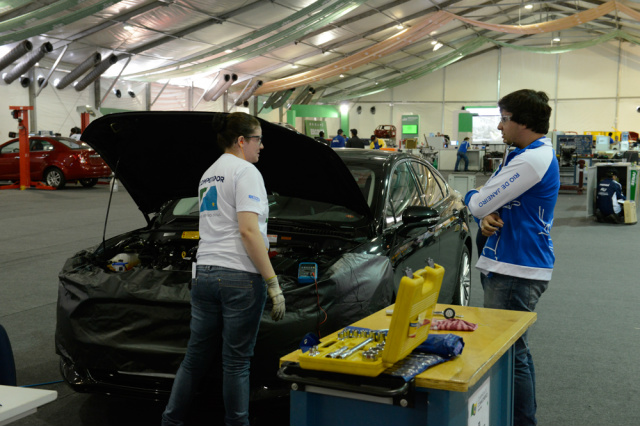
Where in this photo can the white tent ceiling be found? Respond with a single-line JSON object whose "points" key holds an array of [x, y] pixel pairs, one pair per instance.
{"points": [[196, 41]]}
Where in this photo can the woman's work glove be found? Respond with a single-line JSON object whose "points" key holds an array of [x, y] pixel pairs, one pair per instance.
{"points": [[275, 293]]}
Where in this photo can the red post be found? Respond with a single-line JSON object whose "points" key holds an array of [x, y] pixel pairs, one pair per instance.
{"points": [[84, 120], [21, 114]]}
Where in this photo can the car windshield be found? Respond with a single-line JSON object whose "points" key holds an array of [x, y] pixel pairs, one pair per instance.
{"points": [[291, 208], [73, 144]]}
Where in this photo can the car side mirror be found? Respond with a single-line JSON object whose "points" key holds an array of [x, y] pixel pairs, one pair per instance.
{"points": [[418, 216]]}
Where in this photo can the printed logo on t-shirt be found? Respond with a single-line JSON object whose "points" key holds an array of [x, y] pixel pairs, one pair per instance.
{"points": [[254, 198], [208, 199]]}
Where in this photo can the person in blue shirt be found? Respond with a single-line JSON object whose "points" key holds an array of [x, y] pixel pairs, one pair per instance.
{"points": [[608, 199], [515, 211], [339, 140], [462, 155]]}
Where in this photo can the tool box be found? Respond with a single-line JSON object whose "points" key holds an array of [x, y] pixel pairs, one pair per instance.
{"points": [[369, 352]]}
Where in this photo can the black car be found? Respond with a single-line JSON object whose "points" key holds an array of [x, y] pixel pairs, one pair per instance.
{"points": [[360, 218]]}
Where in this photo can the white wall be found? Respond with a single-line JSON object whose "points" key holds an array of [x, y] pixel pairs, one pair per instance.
{"points": [[590, 89]]}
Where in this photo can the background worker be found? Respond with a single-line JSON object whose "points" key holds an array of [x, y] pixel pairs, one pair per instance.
{"points": [[228, 292], [354, 141], [339, 140], [462, 155], [608, 199], [320, 138], [515, 209], [377, 143]]}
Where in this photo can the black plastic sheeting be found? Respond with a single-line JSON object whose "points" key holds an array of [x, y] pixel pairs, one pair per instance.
{"points": [[138, 320]]}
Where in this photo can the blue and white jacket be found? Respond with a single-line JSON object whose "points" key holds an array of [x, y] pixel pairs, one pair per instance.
{"points": [[523, 191]]}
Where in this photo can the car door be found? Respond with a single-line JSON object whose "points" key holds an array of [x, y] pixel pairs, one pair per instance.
{"points": [[447, 232], [10, 161], [409, 249], [40, 150]]}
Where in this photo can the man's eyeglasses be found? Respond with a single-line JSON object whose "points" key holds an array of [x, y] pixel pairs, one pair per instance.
{"points": [[254, 137], [505, 118]]}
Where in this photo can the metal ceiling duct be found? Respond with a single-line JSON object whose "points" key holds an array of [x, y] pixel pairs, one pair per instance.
{"points": [[75, 73], [248, 91], [224, 87], [96, 73], [271, 99], [216, 87], [281, 101], [17, 52], [309, 96], [303, 94], [28, 63]]}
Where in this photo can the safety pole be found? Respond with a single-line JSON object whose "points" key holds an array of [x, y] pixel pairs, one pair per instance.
{"points": [[21, 113]]}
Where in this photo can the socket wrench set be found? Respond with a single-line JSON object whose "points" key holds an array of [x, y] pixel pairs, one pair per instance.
{"points": [[366, 352]]}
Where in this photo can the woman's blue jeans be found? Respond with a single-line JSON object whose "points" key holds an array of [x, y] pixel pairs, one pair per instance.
{"points": [[517, 294], [226, 307]]}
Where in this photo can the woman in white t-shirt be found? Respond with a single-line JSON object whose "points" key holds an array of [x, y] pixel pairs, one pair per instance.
{"points": [[233, 272]]}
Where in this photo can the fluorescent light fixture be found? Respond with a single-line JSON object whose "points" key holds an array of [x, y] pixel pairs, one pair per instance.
{"points": [[434, 42], [341, 75], [437, 46], [228, 51], [128, 28], [399, 26], [556, 39], [294, 66], [528, 6], [344, 108]]}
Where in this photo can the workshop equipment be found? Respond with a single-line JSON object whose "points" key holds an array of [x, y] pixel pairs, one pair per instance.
{"points": [[370, 352]]}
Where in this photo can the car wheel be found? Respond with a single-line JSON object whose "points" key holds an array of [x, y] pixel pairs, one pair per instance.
{"points": [[463, 281], [88, 183], [54, 177]]}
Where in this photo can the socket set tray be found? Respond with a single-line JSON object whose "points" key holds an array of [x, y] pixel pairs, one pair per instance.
{"points": [[365, 352]]}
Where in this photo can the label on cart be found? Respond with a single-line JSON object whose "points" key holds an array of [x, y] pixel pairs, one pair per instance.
{"points": [[479, 405]]}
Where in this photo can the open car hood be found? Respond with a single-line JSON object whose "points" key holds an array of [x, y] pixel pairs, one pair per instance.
{"points": [[161, 155]]}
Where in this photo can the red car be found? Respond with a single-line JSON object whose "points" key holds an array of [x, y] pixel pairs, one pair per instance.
{"points": [[54, 160]]}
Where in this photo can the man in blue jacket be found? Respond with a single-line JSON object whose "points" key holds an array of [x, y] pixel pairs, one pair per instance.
{"points": [[339, 140], [462, 155], [515, 211], [608, 199]]}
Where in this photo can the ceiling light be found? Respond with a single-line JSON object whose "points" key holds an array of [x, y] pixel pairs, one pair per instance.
{"points": [[529, 6], [341, 75], [434, 42], [399, 26], [376, 83], [294, 66], [128, 28], [556, 39], [437, 46], [228, 51]]}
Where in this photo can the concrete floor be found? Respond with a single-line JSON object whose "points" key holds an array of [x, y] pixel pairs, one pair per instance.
{"points": [[585, 342]]}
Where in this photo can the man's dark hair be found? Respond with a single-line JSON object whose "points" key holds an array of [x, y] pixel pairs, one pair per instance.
{"points": [[529, 108], [321, 134], [355, 132], [611, 173], [340, 131]]}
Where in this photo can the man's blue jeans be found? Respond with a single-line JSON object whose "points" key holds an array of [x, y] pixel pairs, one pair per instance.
{"points": [[226, 307], [462, 156], [517, 294]]}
